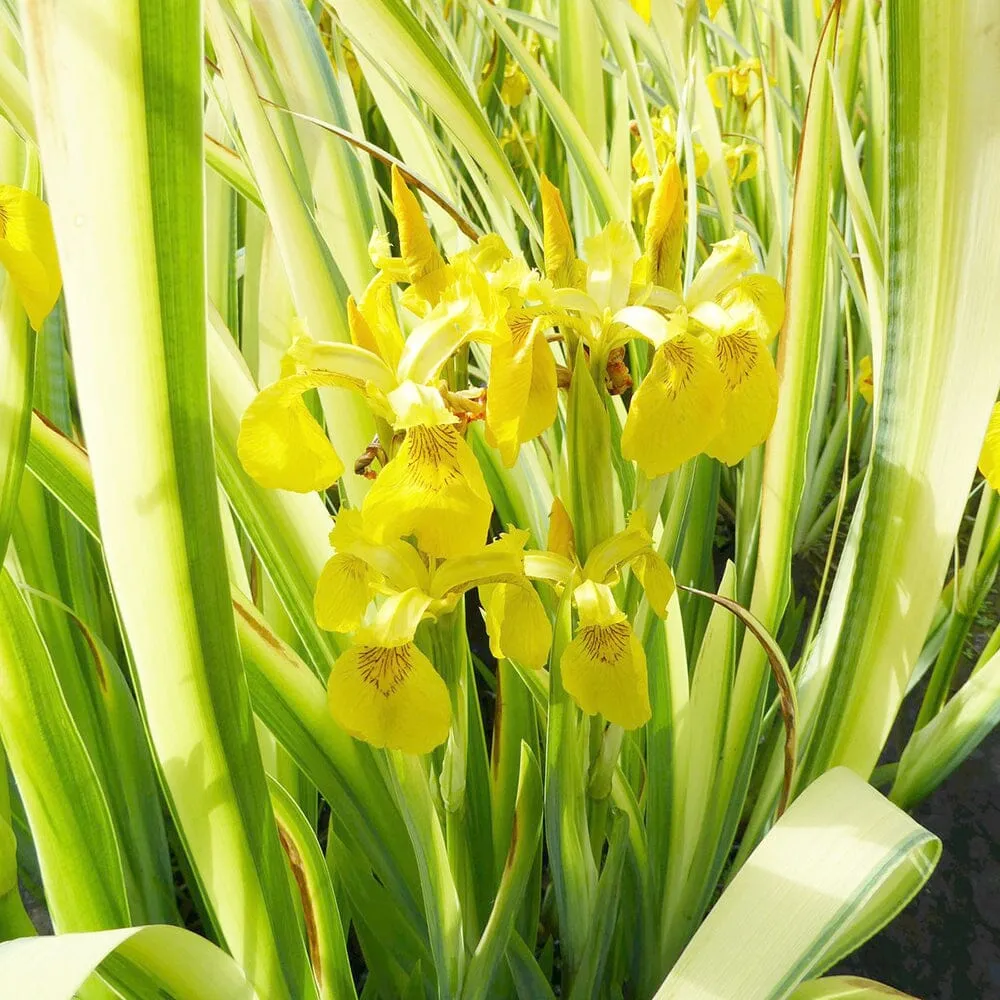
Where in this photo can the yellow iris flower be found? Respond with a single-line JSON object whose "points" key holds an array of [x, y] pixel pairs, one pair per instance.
{"points": [[383, 689], [989, 459], [738, 81], [603, 667], [712, 386], [28, 252]]}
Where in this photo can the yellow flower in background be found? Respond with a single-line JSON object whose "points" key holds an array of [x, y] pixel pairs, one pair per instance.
{"points": [[739, 79], [712, 386], [28, 252], [515, 87], [677, 411], [383, 690], [989, 459], [866, 379]]}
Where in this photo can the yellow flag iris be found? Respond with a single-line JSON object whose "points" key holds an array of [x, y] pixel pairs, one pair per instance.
{"points": [[434, 490], [28, 251], [522, 398], [712, 386], [383, 690], [604, 667]]}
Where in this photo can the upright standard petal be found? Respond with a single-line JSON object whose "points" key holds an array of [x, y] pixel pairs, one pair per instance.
{"points": [[727, 261], [389, 696], [28, 251], [677, 409], [561, 265], [280, 444], [604, 671], [989, 460], [415, 241], [751, 397], [523, 397], [756, 300], [664, 235], [434, 490]]}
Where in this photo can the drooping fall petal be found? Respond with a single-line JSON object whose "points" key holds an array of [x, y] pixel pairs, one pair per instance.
{"points": [[751, 397], [28, 251], [604, 671], [390, 696], [281, 445], [677, 409], [432, 489]]}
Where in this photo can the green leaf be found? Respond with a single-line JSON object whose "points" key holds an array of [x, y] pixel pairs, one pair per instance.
{"points": [[935, 383], [388, 30], [832, 871], [935, 750], [847, 988], [524, 839], [127, 207], [181, 964], [71, 825]]}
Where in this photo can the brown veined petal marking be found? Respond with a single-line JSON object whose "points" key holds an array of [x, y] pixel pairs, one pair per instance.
{"points": [[434, 490], [604, 670], [677, 409], [390, 696], [751, 396]]}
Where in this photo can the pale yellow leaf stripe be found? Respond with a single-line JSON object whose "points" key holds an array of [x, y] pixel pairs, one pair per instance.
{"points": [[833, 870]]}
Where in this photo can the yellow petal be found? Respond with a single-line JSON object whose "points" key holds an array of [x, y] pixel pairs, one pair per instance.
{"points": [[561, 540], [522, 398], [28, 251], [516, 622], [343, 592], [727, 261], [664, 234], [415, 405], [433, 489], [713, 7], [559, 247], [656, 579], [751, 399], [610, 260], [604, 670], [677, 409], [415, 241], [989, 460], [756, 300], [390, 696], [643, 8], [361, 331], [866, 383], [280, 444], [379, 312]]}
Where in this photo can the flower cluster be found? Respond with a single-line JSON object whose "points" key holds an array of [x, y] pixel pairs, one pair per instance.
{"points": [[420, 539]]}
